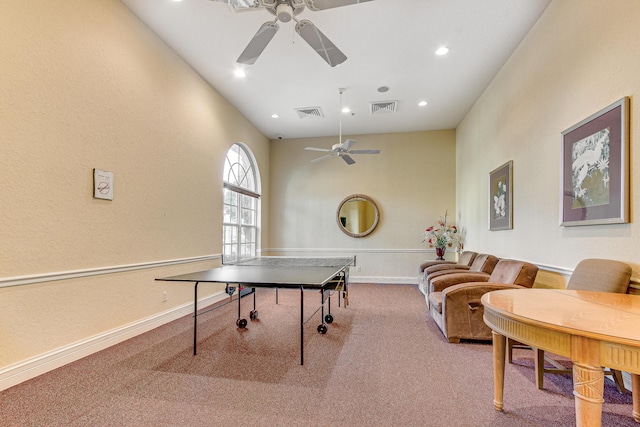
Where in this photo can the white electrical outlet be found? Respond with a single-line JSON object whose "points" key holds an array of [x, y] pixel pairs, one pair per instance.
{"points": [[164, 296]]}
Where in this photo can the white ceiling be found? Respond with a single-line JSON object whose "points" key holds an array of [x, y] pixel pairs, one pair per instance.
{"points": [[388, 43]]}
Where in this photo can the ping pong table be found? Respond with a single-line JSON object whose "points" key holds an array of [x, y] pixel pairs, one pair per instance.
{"points": [[324, 274]]}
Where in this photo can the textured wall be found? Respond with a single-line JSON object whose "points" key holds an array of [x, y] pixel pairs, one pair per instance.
{"points": [[85, 85], [579, 58], [412, 181]]}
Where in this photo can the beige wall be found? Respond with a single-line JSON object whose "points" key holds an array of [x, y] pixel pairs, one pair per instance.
{"points": [[580, 57], [412, 181], [83, 85]]}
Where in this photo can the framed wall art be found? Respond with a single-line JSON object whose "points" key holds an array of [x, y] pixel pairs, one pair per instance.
{"points": [[102, 184], [501, 197], [594, 186]]}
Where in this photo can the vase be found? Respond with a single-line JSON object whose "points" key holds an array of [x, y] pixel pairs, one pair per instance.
{"points": [[440, 254]]}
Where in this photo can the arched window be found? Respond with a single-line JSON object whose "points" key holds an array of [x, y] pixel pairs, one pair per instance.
{"points": [[241, 204]]}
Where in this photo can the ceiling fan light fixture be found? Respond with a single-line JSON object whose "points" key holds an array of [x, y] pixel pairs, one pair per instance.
{"points": [[284, 12]]}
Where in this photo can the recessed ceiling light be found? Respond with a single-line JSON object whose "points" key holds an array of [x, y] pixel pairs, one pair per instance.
{"points": [[274, 116], [422, 103], [442, 51], [383, 89], [239, 72], [346, 110]]}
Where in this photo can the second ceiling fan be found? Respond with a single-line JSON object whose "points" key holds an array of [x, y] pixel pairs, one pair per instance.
{"points": [[341, 149], [285, 11]]}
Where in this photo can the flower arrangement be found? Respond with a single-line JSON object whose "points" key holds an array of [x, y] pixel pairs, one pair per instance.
{"points": [[442, 235]]}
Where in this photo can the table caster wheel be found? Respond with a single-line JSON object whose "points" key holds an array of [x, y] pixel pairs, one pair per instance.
{"points": [[241, 323], [322, 329], [328, 318], [253, 314]]}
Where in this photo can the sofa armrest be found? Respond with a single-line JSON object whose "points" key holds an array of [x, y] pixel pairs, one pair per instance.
{"points": [[444, 281], [469, 294], [443, 267], [426, 264], [462, 310]]}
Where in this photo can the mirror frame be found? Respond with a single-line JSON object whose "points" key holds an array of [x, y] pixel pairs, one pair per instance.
{"points": [[375, 221]]}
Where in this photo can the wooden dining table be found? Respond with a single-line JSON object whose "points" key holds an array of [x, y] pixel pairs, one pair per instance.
{"points": [[593, 329]]}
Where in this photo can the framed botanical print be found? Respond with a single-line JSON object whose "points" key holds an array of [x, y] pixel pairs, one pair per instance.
{"points": [[501, 197], [595, 168]]}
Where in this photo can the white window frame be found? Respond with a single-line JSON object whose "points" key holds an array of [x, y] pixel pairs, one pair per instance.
{"points": [[241, 204]]}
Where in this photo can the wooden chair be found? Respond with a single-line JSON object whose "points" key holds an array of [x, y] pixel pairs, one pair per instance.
{"points": [[601, 275]]}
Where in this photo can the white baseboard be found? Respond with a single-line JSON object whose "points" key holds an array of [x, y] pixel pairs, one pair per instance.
{"points": [[388, 280], [31, 368]]}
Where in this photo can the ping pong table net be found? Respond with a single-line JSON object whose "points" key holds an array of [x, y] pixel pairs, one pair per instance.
{"points": [[286, 261]]}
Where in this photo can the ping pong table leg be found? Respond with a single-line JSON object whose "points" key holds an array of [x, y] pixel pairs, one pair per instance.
{"points": [[301, 325], [195, 317]]}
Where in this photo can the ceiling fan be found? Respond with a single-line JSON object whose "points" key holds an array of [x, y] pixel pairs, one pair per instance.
{"points": [[341, 149], [285, 11]]}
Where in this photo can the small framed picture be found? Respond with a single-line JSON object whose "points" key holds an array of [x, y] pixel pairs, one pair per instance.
{"points": [[595, 168], [102, 184], [501, 197]]}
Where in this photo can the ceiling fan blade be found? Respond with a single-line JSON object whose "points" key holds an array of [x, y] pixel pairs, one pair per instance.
{"points": [[318, 149], [364, 152], [348, 144], [347, 159], [258, 43], [320, 43], [329, 4], [322, 158]]}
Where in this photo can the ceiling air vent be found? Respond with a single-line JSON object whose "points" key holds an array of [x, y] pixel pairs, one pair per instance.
{"points": [[384, 107], [309, 112]]}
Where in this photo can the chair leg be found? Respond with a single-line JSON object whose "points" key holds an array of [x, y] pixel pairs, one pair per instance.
{"points": [[539, 362], [617, 377], [509, 350]]}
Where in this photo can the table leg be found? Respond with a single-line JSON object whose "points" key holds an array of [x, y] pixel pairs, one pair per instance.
{"points": [[499, 346], [588, 387], [635, 391], [195, 317], [301, 325]]}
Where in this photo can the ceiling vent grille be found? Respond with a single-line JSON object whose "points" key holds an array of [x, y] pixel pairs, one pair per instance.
{"points": [[309, 112], [384, 107]]}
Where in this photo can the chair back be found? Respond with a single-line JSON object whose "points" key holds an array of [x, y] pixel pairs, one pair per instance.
{"points": [[601, 275], [484, 263], [514, 272], [467, 258]]}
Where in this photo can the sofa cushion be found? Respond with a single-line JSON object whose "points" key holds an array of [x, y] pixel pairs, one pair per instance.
{"points": [[514, 272]]}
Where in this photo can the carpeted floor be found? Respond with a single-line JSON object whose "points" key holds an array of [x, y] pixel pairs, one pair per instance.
{"points": [[383, 362]]}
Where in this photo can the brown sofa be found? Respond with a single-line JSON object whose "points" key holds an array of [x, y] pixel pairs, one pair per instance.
{"points": [[438, 278], [457, 310], [465, 260]]}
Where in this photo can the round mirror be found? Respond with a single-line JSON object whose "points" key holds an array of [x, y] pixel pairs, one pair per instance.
{"points": [[357, 215]]}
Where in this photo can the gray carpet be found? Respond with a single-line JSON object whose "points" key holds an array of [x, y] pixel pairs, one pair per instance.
{"points": [[383, 362]]}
